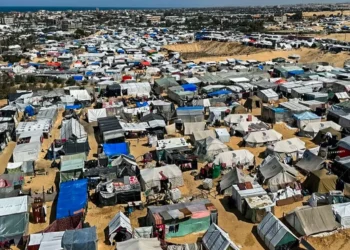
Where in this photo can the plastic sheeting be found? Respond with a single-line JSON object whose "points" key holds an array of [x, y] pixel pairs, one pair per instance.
{"points": [[26, 152], [113, 149], [217, 239], [120, 221], [143, 232], [72, 129], [81, 239], [72, 198], [94, 114], [140, 244], [191, 127]]}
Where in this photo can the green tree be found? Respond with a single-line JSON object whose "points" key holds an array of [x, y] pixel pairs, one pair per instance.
{"points": [[71, 82]]}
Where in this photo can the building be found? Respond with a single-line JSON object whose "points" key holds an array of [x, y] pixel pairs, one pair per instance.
{"points": [[280, 19], [7, 20], [153, 19]]}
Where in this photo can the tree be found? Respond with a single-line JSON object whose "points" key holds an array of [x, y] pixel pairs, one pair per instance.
{"points": [[71, 81], [31, 79], [79, 33]]}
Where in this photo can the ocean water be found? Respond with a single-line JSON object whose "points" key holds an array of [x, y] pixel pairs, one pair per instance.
{"points": [[53, 8]]}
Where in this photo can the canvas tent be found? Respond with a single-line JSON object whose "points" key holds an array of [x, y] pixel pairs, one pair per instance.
{"points": [[310, 162], [72, 130], [312, 220], [210, 147], [291, 147], [191, 127], [94, 114], [267, 95], [320, 181], [275, 234], [222, 134], [26, 152], [152, 177], [80, 239], [253, 102], [198, 135], [46, 241], [140, 244], [311, 129], [245, 127], [234, 176], [305, 118], [14, 218], [238, 118], [342, 213], [234, 158], [260, 138], [322, 134], [217, 239], [143, 232], [72, 166], [119, 228]]}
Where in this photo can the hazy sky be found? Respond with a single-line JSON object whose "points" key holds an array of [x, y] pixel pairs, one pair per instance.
{"points": [[157, 3]]}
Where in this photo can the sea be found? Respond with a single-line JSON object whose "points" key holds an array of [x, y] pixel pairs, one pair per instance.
{"points": [[53, 8]]}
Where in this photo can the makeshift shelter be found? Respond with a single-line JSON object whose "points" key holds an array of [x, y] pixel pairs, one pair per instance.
{"points": [[94, 114], [223, 135], [14, 218], [253, 102], [140, 244], [310, 162], [238, 118], [72, 167], [290, 147], [45, 241], [240, 157], [246, 127], [191, 127], [110, 130], [275, 234], [11, 184], [200, 136], [312, 220], [303, 119], [72, 130], [276, 174], [344, 147], [80, 239], [163, 84], [72, 198], [234, 176], [189, 217], [311, 129], [116, 149], [210, 147], [67, 223], [119, 228], [272, 114], [143, 232], [342, 213], [155, 177], [320, 181], [268, 95], [217, 239], [190, 114], [261, 138], [239, 109], [26, 152]]}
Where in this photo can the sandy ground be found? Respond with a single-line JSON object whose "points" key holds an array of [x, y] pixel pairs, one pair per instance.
{"points": [[191, 51], [326, 13], [241, 231]]}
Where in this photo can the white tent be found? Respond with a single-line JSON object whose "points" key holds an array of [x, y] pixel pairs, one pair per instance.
{"points": [[94, 114], [267, 95], [80, 94], [26, 152], [233, 158], [191, 127], [46, 241], [143, 232], [311, 129], [342, 213], [237, 118], [260, 138], [213, 147], [72, 129], [136, 89], [293, 146], [152, 177], [246, 127], [222, 134], [120, 221], [139, 244], [217, 239]]}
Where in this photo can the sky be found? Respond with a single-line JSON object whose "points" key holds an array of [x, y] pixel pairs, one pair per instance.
{"points": [[157, 3]]}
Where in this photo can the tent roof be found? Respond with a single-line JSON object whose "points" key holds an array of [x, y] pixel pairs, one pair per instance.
{"points": [[306, 116], [84, 238], [289, 145], [271, 167], [241, 156], [112, 149], [151, 117], [201, 135], [217, 239], [263, 136], [119, 220], [140, 244], [310, 162], [319, 137], [152, 174], [14, 205], [315, 220], [235, 176], [317, 126], [72, 162]]}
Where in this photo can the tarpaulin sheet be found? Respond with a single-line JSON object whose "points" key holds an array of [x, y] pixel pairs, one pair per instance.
{"points": [[141, 104], [78, 106], [219, 92], [189, 87], [81, 239], [71, 198], [116, 149]]}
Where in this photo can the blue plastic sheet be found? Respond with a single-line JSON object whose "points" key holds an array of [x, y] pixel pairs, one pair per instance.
{"points": [[72, 198], [189, 87], [29, 110], [306, 116], [113, 149], [78, 106], [141, 104], [219, 92]]}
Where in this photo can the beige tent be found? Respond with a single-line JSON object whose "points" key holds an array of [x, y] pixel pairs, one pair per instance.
{"points": [[320, 181], [253, 102]]}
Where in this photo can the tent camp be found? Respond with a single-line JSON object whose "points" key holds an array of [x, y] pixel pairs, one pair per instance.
{"points": [[305, 118], [140, 244], [153, 177], [311, 129], [276, 174], [275, 234], [119, 228], [253, 102], [14, 218], [312, 220], [217, 239], [261, 138], [290, 147], [85, 238], [235, 176], [320, 181], [310, 162], [72, 167], [210, 147], [233, 158]]}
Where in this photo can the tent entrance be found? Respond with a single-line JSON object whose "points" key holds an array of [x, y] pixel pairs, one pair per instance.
{"points": [[257, 104]]}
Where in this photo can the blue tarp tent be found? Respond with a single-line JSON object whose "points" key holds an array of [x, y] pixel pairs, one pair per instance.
{"points": [[141, 104], [120, 51], [189, 87], [29, 110], [190, 108], [78, 77], [72, 198], [78, 106], [89, 73], [219, 92], [306, 116], [113, 149]]}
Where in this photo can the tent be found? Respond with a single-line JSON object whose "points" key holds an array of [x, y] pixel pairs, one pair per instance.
{"points": [[310, 162], [223, 135], [190, 114], [234, 158], [291, 147], [140, 244], [72, 198], [344, 147], [312, 220], [275, 234], [152, 177], [342, 213], [45, 241], [72, 130], [72, 166], [253, 102], [217, 239], [116, 149], [80, 239], [261, 138], [237, 118], [94, 114], [199, 135], [210, 147], [276, 174], [311, 129], [119, 228], [26, 152], [321, 135], [143, 232], [239, 109], [235, 176], [110, 129], [136, 89], [191, 127], [14, 218], [267, 95], [320, 181], [304, 118], [245, 127]]}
